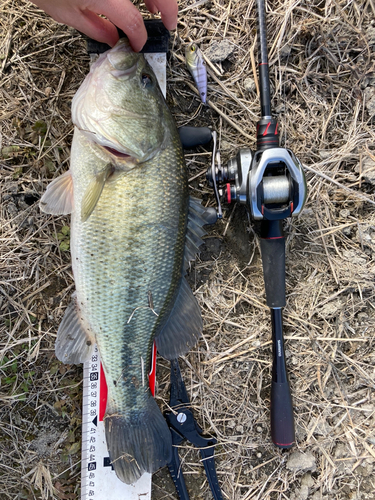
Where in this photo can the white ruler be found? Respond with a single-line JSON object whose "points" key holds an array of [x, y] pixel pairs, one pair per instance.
{"points": [[98, 480]]}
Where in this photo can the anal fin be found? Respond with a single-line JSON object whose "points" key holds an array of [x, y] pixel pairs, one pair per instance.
{"points": [[74, 341], [183, 326]]}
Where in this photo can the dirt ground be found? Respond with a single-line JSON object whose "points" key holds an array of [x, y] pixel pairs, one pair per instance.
{"points": [[323, 83]]}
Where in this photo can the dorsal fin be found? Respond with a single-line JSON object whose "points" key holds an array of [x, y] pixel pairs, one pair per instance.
{"points": [[197, 218], [183, 326]]}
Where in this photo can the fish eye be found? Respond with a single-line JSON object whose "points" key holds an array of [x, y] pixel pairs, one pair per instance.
{"points": [[146, 80], [192, 48]]}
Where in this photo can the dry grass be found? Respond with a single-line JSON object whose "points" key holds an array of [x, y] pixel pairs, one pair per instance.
{"points": [[321, 60]]}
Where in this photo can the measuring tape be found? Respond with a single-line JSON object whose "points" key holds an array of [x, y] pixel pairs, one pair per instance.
{"points": [[98, 479]]}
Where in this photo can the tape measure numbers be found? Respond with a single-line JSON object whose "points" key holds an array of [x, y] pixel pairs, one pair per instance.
{"points": [[98, 479]]}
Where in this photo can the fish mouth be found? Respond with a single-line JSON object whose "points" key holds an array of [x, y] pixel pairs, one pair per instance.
{"points": [[118, 154], [101, 143]]}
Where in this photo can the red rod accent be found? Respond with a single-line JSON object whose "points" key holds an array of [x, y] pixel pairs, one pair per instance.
{"points": [[276, 128], [283, 444], [265, 132], [229, 195]]}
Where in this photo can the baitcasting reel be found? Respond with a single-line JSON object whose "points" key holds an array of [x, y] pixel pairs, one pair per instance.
{"points": [[271, 183]]}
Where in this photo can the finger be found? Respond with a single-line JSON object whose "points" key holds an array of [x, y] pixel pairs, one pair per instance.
{"points": [[85, 21], [98, 28], [168, 10], [128, 18]]}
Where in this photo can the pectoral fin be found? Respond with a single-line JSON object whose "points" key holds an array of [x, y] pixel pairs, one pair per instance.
{"points": [[58, 198], [93, 192]]}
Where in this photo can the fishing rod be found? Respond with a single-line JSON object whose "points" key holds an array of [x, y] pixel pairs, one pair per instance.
{"points": [[271, 183]]}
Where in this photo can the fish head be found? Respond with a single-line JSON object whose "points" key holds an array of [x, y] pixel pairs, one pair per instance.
{"points": [[119, 106]]}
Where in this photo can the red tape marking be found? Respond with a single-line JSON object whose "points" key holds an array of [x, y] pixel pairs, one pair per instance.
{"points": [[152, 374], [103, 393]]}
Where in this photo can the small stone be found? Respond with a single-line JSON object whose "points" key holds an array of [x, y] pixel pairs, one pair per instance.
{"points": [[285, 51], [353, 257], [249, 84], [259, 429], [259, 455], [12, 188], [239, 429], [368, 81], [12, 209], [303, 492], [331, 309], [219, 51], [307, 480], [324, 154], [48, 91], [299, 461], [369, 94], [318, 496], [345, 213], [341, 451], [225, 145], [347, 231], [368, 167]]}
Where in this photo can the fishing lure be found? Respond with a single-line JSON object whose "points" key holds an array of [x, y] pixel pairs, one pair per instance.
{"points": [[197, 67]]}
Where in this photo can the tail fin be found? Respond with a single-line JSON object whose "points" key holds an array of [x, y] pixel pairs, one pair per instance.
{"points": [[138, 442]]}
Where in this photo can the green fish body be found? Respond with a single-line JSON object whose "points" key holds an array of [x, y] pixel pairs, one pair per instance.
{"points": [[133, 232]]}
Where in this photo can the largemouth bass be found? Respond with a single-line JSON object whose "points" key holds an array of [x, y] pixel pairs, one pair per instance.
{"points": [[133, 232]]}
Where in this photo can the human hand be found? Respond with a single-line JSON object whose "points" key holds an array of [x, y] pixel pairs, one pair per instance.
{"points": [[84, 16]]}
